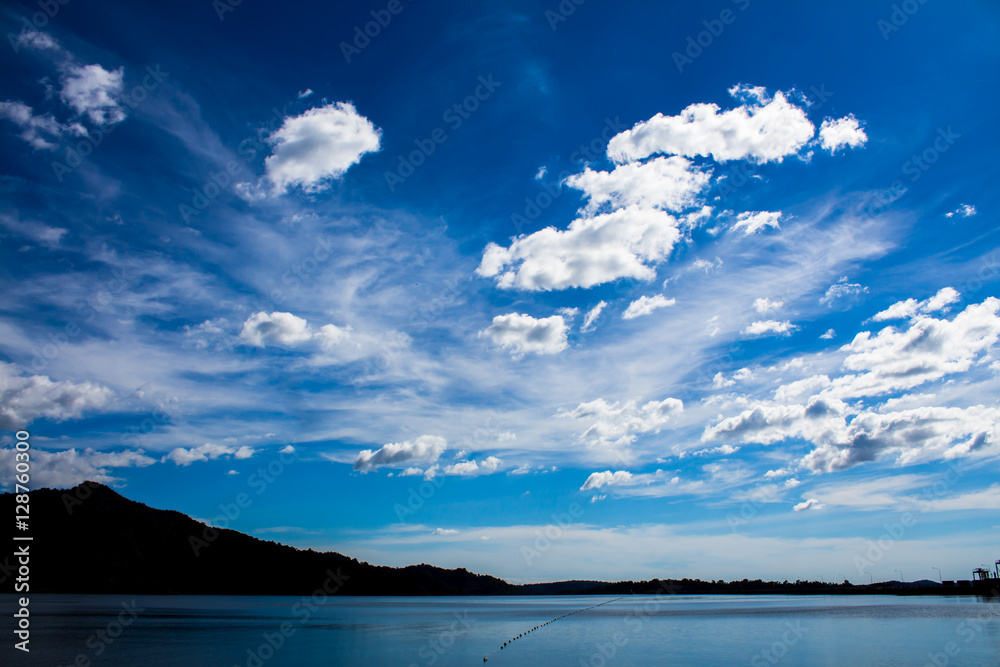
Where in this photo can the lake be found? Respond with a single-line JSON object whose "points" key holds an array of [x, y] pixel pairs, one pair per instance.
{"points": [[226, 631]]}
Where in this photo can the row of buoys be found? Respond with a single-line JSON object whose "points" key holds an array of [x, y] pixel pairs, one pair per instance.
{"points": [[537, 627]]}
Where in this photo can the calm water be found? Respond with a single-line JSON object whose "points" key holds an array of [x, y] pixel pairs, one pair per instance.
{"points": [[196, 631]]}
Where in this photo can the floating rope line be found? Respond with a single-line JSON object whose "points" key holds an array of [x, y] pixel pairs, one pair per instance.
{"points": [[539, 627]]}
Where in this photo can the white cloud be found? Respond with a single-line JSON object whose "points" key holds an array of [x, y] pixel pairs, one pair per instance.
{"points": [[37, 40], [444, 532], [841, 290], [667, 183], [811, 504], [93, 91], [752, 222], [911, 307], [34, 129], [70, 467], [275, 328], [645, 305], [720, 381], [840, 133], [209, 451], [426, 449], [829, 334], [765, 327], [763, 130], [622, 244], [330, 345], [615, 426], [764, 305], [319, 146], [470, 468], [591, 317], [929, 349], [965, 211], [244, 452], [598, 480], [26, 398], [303, 94], [893, 360], [491, 464], [897, 311], [706, 265], [919, 434], [627, 227], [330, 335], [462, 469], [521, 334], [944, 298]]}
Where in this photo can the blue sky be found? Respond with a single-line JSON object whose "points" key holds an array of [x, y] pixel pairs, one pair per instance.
{"points": [[545, 291]]}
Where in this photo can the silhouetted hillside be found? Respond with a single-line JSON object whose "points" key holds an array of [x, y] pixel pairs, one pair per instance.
{"points": [[110, 544]]}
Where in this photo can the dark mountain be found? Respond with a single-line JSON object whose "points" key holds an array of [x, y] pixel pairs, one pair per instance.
{"points": [[90, 539]]}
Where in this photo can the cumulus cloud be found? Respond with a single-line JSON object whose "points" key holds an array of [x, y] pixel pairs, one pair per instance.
{"points": [[927, 350], [770, 327], [319, 146], [830, 412], [472, 468], [522, 334], [426, 449], [332, 344], [635, 214], [275, 328], [964, 211], [615, 426], [915, 435], [598, 480], [667, 183], [765, 305], [911, 307], [841, 133], [752, 222], [209, 451], [622, 244], [70, 467], [94, 92], [645, 305], [762, 130], [26, 398]]}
